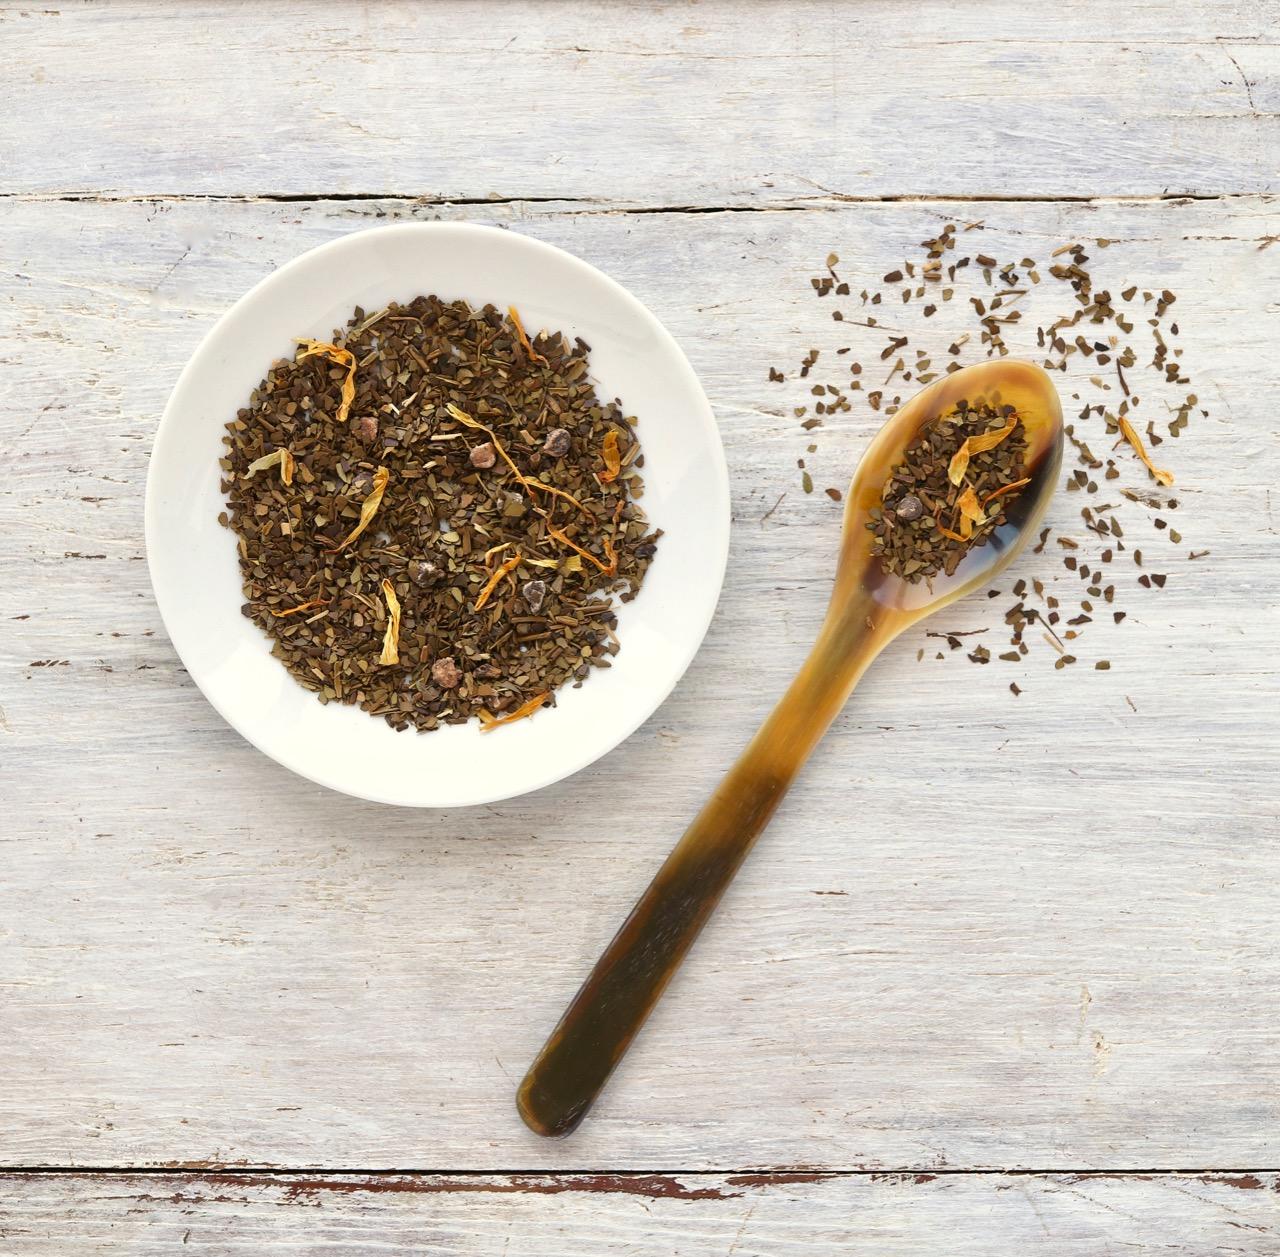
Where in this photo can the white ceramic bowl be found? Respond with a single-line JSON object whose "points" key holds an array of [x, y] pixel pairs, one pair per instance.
{"points": [[193, 559]]}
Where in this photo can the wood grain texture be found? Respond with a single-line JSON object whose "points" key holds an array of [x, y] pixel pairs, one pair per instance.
{"points": [[676, 104], [985, 933], [609, 1215], [207, 960]]}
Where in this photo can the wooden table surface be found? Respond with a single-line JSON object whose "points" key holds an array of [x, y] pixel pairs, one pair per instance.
{"points": [[1003, 975]]}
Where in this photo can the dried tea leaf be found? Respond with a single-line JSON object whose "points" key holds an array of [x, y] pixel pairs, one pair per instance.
{"points": [[448, 512], [304, 606], [524, 340], [911, 538], [490, 722], [368, 510], [536, 485], [281, 456], [343, 358], [391, 638], [492, 583], [612, 459], [1161, 476]]}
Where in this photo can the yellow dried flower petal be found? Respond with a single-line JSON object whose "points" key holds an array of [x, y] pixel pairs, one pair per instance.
{"points": [[391, 638], [989, 440], [343, 358], [1161, 476], [367, 510], [281, 456], [970, 508]]}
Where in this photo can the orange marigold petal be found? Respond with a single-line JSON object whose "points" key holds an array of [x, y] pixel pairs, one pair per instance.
{"points": [[491, 722], [612, 459]]}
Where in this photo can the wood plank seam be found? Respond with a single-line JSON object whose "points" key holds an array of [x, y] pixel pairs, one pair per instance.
{"points": [[623, 205]]}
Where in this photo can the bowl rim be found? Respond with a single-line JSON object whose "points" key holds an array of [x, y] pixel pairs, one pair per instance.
{"points": [[168, 430]]}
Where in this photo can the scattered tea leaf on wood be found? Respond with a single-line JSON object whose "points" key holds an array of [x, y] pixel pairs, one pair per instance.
{"points": [[1078, 318]]}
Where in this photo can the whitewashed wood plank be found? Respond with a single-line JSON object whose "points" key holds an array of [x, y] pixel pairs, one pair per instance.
{"points": [[204, 958], [678, 104], [746, 1215]]}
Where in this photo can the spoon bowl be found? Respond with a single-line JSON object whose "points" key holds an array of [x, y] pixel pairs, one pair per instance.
{"points": [[1005, 382], [869, 608]]}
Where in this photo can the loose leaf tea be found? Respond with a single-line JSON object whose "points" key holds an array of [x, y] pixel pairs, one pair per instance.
{"points": [[455, 521], [929, 515], [1115, 348]]}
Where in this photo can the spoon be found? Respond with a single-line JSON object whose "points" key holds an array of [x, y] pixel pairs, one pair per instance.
{"points": [[869, 608]]}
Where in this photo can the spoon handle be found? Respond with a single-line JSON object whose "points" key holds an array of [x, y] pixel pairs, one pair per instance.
{"points": [[612, 1004]]}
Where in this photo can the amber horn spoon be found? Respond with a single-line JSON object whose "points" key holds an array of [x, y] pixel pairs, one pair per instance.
{"points": [[869, 608]]}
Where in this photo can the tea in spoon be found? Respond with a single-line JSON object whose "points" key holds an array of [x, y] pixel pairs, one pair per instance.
{"points": [[869, 607]]}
